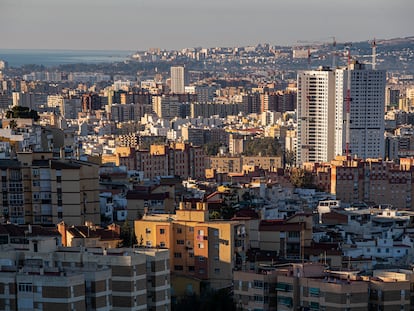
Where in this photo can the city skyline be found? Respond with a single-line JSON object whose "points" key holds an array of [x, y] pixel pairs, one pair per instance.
{"points": [[138, 25]]}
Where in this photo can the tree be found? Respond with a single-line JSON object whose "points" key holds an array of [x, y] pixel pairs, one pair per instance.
{"points": [[301, 178], [266, 146], [290, 158], [13, 124], [19, 112], [127, 235], [215, 215], [211, 148]]}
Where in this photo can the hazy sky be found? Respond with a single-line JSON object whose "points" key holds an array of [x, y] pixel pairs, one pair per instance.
{"points": [[175, 24]]}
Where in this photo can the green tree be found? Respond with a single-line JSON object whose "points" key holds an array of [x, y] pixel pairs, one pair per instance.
{"points": [[301, 178], [266, 146], [23, 113], [211, 148], [127, 235], [215, 215], [13, 124], [290, 158]]}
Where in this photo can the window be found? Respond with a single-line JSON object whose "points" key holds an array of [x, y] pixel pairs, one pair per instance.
{"points": [[217, 270], [258, 298], [201, 258], [200, 245], [25, 287], [179, 230], [162, 231], [201, 271], [178, 268], [180, 242], [177, 255], [200, 232], [162, 244], [294, 234], [191, 268]]}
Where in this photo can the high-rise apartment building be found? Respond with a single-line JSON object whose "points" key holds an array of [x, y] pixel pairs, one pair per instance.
{"points": [[178, 79], [316, 114], [367, 107], [322, 105]]}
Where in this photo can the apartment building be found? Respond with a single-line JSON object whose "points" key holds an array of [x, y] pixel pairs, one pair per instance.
{"points": [[39, 189], [373, 180], [312, 286], [122, 156], [255, 291], [178, 79], [239, 164], [340, 112], [84, 279], [178, 159], [142, 200], [289, 237], [366, 89], [199, 248], [316, 116]]}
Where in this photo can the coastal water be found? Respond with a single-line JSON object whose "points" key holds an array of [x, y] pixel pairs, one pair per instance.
{"points": [[50, 58]]}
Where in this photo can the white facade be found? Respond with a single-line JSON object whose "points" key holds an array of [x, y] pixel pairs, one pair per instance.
{"points": [[316, 116], [177, 80], [322, 106], [367, 106]]}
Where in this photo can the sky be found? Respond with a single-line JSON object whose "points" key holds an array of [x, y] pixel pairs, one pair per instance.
{"points": [[175, 24]]}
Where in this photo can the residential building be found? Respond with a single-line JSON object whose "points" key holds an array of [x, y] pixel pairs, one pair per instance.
{"points": [[326, 98], [255, 290], [316, 116], [178, 79], [289, 238], [40, 190], [373, 180], [178, 159], [367, 105], [199, 248], [240, 164], [85, 279]]}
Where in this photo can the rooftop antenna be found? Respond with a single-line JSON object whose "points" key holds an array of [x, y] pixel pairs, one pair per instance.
{"points": [[374, 54]]}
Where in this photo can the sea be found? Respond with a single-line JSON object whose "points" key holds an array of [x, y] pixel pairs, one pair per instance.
{"points": [[51, 58]]}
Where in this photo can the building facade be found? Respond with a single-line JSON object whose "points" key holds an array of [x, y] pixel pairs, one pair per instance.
{"points": [[199, 248], [366, 112], [40, 190], [316, 115], [178, 79]]}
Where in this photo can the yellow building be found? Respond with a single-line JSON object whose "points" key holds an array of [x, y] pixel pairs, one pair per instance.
{"points": [[42, 190], [239, 164], [199, 248]]}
